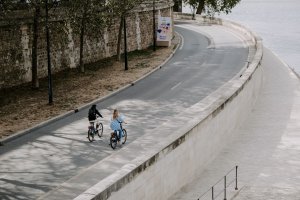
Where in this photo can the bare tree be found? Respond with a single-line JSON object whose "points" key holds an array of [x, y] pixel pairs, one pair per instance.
{"points": [[87, 17], [34, 8], [122, 9]]}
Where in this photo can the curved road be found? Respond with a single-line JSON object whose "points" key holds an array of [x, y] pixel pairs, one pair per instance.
{"points": [[34, 164]]}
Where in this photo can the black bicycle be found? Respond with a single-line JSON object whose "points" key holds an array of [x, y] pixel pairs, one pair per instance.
{"points": [[114, 138], [96, 127]]}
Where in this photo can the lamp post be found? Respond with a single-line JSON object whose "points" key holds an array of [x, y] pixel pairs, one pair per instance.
{"points": [[154, 29], [48, 56]]}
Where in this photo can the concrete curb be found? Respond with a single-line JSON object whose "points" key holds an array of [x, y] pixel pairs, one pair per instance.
{"points": [[69, 113], [26, 131]]}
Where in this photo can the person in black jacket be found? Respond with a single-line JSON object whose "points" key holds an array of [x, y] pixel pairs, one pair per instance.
{"points": [[93, 112]]}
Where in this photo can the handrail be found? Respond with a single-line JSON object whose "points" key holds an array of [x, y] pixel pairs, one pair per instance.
{"points": [[226, 185]]}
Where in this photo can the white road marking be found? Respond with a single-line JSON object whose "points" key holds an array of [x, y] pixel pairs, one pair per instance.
{"points": [[176, 86], [182, 41]]}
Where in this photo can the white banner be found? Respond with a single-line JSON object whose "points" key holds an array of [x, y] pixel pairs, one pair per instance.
{"points": [[164, 30]]}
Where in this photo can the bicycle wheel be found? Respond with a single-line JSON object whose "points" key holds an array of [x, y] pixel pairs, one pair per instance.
{"points": [[113, 141], [124, 136], [100, 130], [90, 135]]}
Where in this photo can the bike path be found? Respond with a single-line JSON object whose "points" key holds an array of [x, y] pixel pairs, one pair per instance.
{"points": [[49, 161], [266, 147]]}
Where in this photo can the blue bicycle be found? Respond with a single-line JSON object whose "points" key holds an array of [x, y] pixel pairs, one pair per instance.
{"points": [[114, 138]]}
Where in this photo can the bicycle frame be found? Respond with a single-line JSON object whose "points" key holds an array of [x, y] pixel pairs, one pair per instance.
{"points": [[115, 137], [94, 122], [95, 127]]}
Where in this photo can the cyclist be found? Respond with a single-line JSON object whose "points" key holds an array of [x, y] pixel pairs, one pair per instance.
{"points": [[93, 112], [115, 124]]}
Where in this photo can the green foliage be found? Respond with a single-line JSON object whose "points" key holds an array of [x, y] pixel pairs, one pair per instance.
{"points": [[210, 7], [193, 3], [121, 7], [8, 6], [92, 15], [218, 6]]}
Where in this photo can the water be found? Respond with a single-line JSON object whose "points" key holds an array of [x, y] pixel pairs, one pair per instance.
{"points": [[277, 22]]}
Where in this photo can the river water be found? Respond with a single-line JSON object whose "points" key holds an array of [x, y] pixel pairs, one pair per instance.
{"points": [[277, 22]]}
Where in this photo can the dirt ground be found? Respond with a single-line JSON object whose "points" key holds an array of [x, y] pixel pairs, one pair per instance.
{"points": [[22, 108]]}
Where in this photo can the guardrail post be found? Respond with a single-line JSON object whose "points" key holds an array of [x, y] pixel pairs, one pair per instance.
{"points": [[212, 193], [224, 187], [236, 168]]}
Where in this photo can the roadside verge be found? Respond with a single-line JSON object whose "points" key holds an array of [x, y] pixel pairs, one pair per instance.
{"points": [[78, 109]]}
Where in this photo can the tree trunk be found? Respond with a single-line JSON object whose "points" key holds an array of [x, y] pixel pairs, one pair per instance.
{"points": [[193, 15], [82, 33], [119, 40], [200, 7], [81, 64], [48, 54], [35, 80]]}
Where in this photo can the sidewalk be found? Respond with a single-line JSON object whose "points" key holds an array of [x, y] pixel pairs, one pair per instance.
{"points": [[266, 148]]}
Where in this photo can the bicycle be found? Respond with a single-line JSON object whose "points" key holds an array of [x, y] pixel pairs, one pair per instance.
{"points": [[92, 130], [114, 138]]}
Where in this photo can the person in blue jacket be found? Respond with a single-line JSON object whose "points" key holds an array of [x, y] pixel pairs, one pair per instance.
{"points": [[116, 123]]}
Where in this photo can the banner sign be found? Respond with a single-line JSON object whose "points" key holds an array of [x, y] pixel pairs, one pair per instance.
{"points": [[164, 30]]}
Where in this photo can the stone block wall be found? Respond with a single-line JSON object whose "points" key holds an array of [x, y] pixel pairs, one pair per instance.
{"points": [[16, 44]]}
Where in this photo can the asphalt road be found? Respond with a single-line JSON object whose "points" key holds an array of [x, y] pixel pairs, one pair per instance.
{"points": [[37, 163]]}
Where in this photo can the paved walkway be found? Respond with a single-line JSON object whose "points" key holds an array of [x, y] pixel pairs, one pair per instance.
{"points": [[266, 148], [57, 161]]}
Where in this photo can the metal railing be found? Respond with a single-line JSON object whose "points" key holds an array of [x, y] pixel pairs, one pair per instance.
{"points": [[227, 181]]}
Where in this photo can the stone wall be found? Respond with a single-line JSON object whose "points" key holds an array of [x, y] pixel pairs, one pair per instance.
{"points": [[16, 44]]}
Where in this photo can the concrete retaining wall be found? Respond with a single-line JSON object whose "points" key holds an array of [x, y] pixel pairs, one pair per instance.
{"points": [[167, 162]]}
